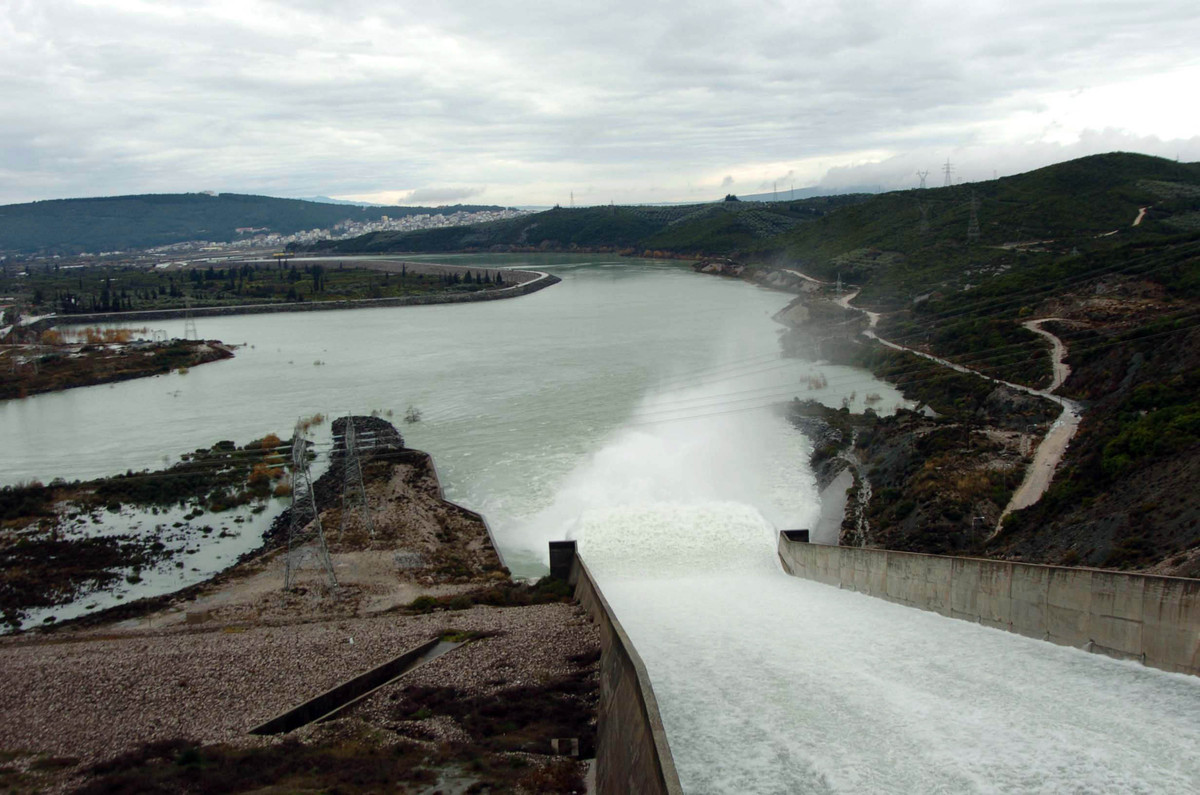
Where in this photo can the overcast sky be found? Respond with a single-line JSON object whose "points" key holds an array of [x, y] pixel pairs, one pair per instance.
{"points": [[524, 102]]}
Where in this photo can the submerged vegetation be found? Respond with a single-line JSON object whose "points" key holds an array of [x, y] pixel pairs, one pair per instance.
{"points": [[45, 560], [52, 365]]}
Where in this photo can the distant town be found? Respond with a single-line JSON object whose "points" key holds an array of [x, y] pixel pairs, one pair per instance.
{"points": [[252, 238]]}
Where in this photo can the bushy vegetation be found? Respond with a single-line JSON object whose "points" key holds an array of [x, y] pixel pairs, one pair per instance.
{"points": [[1158, 419]]}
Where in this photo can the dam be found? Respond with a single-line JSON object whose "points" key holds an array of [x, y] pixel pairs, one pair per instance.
{"points": [[630, 408]]}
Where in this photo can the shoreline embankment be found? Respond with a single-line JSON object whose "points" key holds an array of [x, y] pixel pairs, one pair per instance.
{"points": [[529, 282]]}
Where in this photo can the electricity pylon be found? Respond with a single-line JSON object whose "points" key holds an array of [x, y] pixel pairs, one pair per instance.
{"points": [[304, 505], [973, 223], [354, 494], [189, 322]]}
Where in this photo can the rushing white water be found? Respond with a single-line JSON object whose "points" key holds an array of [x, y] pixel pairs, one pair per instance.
{"points": [[773, 684]]}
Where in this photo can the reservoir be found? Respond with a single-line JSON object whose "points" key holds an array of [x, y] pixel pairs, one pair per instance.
{"points": [[513, 394], [631, 407]]}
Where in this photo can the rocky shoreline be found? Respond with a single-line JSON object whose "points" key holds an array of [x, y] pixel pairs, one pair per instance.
{"points": [[954, 476], [931, 480]]}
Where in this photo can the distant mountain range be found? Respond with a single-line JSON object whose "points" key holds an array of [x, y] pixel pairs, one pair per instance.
{"points": [[121, 223], [807, 193], [343, 202]]}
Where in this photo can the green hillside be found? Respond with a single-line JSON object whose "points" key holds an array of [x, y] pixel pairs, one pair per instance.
{"points": [[117, 223], [1082, 206], [721, 228]]}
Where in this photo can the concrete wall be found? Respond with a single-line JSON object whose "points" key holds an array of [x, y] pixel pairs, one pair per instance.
{"points": [[632, 755], [1130, 616]]}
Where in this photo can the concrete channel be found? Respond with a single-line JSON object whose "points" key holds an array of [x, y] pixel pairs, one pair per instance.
{"points": [[1149, 618], [632, 754], [339, 698]]}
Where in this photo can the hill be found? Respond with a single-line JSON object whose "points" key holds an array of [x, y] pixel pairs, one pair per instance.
{"points": [[721, 228], [1104, 253], [792, 194], [118, 223], [1085, 205]]}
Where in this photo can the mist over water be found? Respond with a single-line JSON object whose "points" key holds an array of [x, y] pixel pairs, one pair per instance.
{"points": [[723, 482], [773, 684]]}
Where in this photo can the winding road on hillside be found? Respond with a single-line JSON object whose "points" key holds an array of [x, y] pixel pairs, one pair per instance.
{"points": [[1040, 472]]}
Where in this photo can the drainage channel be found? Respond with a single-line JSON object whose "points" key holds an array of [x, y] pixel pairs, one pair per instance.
{"points": [[336, 700]]}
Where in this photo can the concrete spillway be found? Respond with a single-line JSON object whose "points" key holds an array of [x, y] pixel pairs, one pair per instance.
{"points": [[772, 684]]}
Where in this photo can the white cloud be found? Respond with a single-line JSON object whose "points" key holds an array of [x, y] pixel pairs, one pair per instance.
{"points": [[617, 100]]}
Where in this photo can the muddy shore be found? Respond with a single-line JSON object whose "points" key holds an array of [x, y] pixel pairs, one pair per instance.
{"points": [[33, 369], [132, 699]]}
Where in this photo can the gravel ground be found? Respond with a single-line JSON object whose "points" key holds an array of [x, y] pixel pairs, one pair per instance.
{"points": [[96, 697]]}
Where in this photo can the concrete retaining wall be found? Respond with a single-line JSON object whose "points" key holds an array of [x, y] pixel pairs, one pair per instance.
{"points": [[632, 755], [1130, 616]]}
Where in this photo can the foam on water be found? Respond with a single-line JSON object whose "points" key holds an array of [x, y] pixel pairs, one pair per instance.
{"points": [[773, 684], [719, 485]]}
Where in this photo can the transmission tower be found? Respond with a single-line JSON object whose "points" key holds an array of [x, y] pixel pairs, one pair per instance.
{"points": [[354, 494], [923, 224], [948, 170], [923, 175], [973, 224], [189, 322], [304, 506]]}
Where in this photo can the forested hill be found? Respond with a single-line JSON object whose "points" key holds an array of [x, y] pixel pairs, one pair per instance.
{"points": [[117, 223], [1083, 206], [1074, 204], [695, 229]]}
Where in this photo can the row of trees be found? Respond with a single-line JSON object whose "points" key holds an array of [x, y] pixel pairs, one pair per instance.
{"points": [[124, 290]]}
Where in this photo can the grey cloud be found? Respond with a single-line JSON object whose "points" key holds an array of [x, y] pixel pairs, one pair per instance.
{"points": [[427, 195], [315, 96], [973, 164]]}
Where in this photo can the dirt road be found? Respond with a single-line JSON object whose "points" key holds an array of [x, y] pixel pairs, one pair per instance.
{"points": [[1062, 370], [1040, 472]]}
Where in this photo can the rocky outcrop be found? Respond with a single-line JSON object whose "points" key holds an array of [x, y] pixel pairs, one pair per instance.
{"points": [[720, 266]]}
